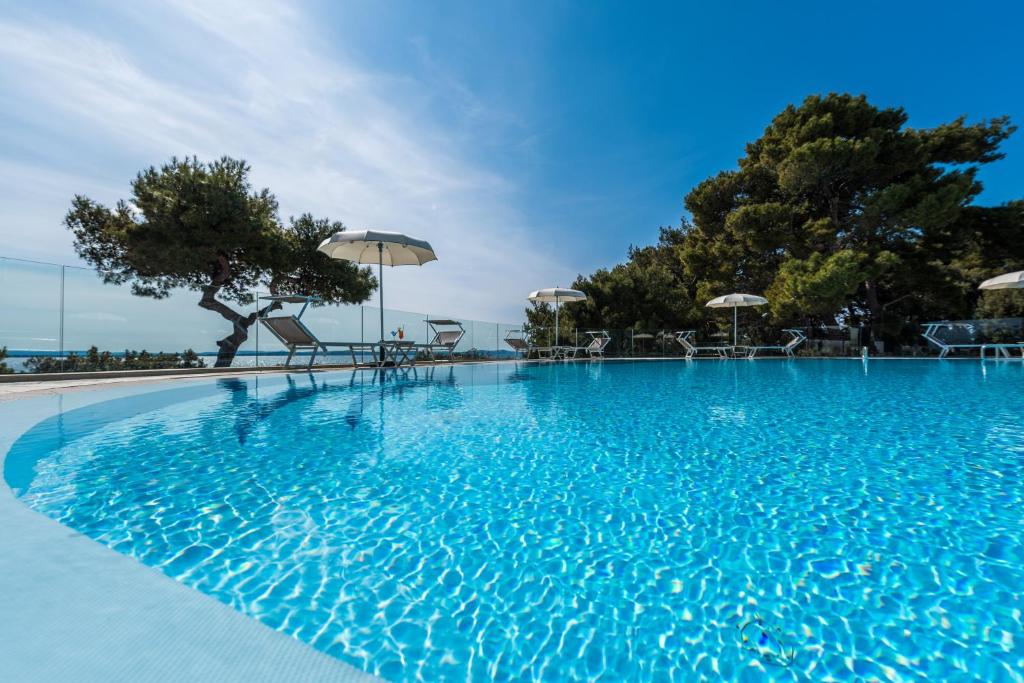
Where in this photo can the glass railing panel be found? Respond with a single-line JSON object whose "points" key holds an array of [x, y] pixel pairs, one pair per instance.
{"points": [[30, 306], [112, 319], [485, 338]]}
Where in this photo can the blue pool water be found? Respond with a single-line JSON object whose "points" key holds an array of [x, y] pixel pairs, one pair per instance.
{"points": [[572, 522]]}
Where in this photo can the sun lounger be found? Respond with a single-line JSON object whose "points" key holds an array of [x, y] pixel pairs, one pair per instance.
{"points": [[931, 334], [295, 336], [685, 339], [1001, 349], [598, 341], [519, 342], [788, 348], [545, 352], [444, 340], [932, 330]]}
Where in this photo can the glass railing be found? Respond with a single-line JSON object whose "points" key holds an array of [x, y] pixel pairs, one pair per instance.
{"points": [[52, 315]]}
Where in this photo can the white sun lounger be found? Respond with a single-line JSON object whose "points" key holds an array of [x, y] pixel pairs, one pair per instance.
{"points": [[932, 330], [444, 340], [1003, 348], [787, 348], [519, 342], [599, 339], [685, 339]]}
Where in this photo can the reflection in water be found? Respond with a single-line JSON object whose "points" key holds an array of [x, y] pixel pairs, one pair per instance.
{"points": [[247, 408]]}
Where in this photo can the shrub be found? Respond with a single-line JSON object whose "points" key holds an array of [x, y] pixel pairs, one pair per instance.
{"points": [[95, 360]]}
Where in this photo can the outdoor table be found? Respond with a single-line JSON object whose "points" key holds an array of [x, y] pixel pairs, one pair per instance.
{"points": [[564, 352], [398, 352]]}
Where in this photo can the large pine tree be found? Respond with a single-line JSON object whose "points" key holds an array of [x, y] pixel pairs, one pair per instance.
{"points": [[202, 227]]}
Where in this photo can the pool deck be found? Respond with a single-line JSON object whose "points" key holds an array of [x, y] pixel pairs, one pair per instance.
{"points": [[71, 609]]}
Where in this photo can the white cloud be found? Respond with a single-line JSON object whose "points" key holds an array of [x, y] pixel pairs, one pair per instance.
{"points": [[325, 133]]}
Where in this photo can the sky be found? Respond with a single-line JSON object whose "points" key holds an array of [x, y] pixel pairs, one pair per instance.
{"points": [[529, 142]]}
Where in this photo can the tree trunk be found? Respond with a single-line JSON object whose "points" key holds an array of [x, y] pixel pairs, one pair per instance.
{"points": [[228, 346]]}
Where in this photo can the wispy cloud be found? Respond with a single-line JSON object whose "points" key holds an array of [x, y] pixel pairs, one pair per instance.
{"points": [[259, 80]]}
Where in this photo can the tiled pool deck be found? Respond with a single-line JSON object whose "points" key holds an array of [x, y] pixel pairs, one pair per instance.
{"points": [[73, 610]]}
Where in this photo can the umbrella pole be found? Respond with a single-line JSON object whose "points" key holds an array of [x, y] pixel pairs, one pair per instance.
{"points": [[556, 321], [734, 335], [380, 282]]}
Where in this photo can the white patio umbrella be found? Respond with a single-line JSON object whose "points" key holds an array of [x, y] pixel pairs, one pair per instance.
{"points": [[380, 247], [556, 295], [734, 301], [1005, 281]]}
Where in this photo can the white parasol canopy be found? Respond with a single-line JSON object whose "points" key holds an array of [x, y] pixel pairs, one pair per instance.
{"points": [[556, 295], [1005, 281], [380, 247], [735, 301]]}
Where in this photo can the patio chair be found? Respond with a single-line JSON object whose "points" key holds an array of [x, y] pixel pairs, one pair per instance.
{"points": [[685, 339], [295, 336], [444, 340], [788, 348]]}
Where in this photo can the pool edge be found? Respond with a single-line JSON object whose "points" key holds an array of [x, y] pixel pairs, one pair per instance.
{"points": [[73, 609]]}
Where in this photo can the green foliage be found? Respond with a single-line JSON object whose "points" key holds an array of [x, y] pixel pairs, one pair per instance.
{"points": [[95, 360], [839, 210], [842, 179], [646, 292], [203, 227], [4, 370], [1005, 303], [540, 324], [816, 286]]}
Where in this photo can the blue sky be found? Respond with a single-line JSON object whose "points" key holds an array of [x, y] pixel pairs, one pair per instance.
{"points": [[529, 141]]}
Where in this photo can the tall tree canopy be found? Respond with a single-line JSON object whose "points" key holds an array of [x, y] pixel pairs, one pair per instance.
{"points": [[838, 210], [202, 227]]}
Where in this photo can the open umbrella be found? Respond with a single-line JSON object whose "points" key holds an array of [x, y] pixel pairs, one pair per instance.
{"points": [[734, 301], [555, 295], [1005, 281], [380, 247]]}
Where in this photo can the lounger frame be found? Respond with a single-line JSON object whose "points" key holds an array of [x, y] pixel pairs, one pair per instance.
{"points": [[685, 339], [788, 348], [599, 340], [931, 334], [444, 340], [301, 338]]}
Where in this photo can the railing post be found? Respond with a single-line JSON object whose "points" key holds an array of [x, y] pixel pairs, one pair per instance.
{"points": [[257, 330], [60, 341]]}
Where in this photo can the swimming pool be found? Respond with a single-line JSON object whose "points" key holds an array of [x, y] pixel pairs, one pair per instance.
{"points": [[613, 521]]}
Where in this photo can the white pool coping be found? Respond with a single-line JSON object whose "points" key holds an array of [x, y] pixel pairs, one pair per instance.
{"points": [[71, 609]]}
